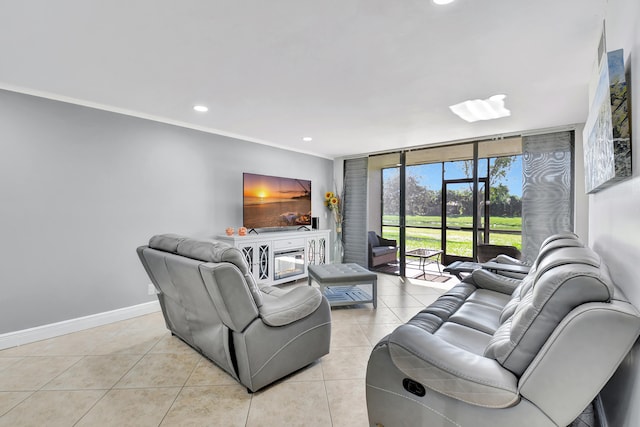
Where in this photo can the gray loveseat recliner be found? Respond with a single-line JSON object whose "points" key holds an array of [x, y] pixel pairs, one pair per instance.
{"points": [[210, 300], [486, 354]]}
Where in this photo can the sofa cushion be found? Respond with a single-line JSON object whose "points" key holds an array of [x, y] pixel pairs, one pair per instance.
{"points": [[427, 321], [490, 298], [464, 337], [450, 302], [383, 250], [482, 317], [214, 251]]}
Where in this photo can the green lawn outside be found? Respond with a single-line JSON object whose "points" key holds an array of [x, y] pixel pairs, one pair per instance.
{"points": [[497, 223], [458, 242]]}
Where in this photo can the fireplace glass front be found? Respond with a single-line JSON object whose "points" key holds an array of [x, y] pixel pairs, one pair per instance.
{"points": [[288, 263]]}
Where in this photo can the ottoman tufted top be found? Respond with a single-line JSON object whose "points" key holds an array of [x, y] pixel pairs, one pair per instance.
{"points": [[336, 273]]}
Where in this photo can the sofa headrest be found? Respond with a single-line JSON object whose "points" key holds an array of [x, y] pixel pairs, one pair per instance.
{"points": [[166, 242], [558, 236], [557, 244], [203, 250], [567, 255]]}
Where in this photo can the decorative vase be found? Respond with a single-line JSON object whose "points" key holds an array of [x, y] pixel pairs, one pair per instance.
{"points": [[337, 250]]}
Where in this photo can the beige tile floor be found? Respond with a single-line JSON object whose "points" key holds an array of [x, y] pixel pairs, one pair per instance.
{"points": [[134, 373]]}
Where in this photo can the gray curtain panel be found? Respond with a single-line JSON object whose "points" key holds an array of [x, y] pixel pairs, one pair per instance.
{"points": [[547, 189], [354, 225]]}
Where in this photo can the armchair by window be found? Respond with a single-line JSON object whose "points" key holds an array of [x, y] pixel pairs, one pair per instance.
{"points": [[381, 250]]}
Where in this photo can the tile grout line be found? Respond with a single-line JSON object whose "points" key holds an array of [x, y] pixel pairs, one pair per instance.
{"points": [[106, 391], [181, 389], [326, 393], [93, 406], [246, 418], [31, 393], [82, 357], [114, 383]]}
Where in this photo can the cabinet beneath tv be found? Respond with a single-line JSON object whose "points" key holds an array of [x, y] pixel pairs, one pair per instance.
{"points": [[282, 256]]}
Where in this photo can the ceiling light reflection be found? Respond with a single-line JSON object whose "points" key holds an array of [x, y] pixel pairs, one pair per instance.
{"points": [[481, 109]]}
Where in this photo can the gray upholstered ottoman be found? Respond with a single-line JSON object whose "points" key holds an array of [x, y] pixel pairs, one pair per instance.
{"points": [[344, 284]]}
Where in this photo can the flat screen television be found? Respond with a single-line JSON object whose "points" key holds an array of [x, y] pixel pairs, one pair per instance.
{"points": [[275, 202]]}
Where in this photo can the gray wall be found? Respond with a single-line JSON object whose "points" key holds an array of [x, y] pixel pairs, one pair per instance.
{"points": [[614, 227], [80, 189]]}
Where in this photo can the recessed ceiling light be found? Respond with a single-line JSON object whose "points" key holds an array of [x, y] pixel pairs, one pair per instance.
{"points": [[441, 2], [481, 109], [200, 108], [307, 139]]}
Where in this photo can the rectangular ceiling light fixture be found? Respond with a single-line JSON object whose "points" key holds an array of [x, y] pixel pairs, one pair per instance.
{"points": [[481, 109]]}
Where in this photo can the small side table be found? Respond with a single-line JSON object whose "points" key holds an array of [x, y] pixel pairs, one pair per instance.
{"points": [[343, 284], [425, 258]]}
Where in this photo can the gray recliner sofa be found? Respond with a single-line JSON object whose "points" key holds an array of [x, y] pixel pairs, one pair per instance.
{"points": [[488, 355], [210, 300]]}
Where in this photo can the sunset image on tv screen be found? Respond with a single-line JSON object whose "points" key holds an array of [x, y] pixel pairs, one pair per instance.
{"points": [[271, 201]]}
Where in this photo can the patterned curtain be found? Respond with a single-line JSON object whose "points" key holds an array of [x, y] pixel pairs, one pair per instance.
{"points": [[354, 225], [547, 189]]}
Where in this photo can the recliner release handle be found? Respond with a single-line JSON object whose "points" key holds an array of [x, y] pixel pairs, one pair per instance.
{"points": [[413, 387]]}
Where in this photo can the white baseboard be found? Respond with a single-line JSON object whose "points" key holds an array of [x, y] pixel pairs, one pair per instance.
{"points": [[26, 336]]}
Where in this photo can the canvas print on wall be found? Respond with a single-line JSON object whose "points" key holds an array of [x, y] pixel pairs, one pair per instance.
{"points": [[606, 134], [619, 115]]}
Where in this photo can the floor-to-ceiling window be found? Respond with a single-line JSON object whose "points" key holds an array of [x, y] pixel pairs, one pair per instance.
{"points": [[501, 163], [423, 206], [455, 197]]}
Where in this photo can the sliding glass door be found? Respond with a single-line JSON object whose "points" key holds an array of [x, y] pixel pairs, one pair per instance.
{"points": [[458, 213], [451, 198]]}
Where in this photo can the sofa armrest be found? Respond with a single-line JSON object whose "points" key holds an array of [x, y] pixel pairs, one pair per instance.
{"points": [[287, 308], [230, 294], [450, 370], [506, 259], [485, 279]]}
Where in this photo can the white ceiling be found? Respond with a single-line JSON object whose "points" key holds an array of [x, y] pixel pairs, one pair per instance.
{"points": [[357, 75]]}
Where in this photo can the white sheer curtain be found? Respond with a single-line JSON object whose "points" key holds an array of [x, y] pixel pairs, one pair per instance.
{"points": [[354, 225], [547, 188]]}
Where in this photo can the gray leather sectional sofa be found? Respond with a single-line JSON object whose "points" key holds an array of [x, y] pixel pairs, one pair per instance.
{"points": [[506, 352], [210, 300]]}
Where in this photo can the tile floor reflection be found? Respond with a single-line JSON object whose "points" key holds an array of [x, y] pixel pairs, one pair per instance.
{"points": [[134, 373]]}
